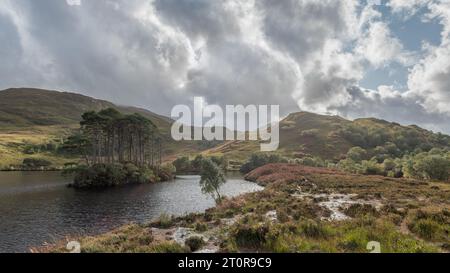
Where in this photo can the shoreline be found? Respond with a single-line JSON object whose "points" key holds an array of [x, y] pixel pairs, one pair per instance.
{"points": [[157, 224], [302, 200], [56, 169]]}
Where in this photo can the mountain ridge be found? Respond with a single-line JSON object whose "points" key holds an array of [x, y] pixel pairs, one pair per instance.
{"points": [[32, 111], [21, 107]]}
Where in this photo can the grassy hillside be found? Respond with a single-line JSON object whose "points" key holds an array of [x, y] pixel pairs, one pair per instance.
{"points": [[331, 137], [25, 107], [36, 117]]}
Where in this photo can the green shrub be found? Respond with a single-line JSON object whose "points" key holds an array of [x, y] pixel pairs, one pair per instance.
{"points": [[109, 175], [355, 240], [260, 159], [248, 235], [357, 154], [310, 161], [312, 229], [371, 168], [36, 162], [164, 221], [434, 167], [426, 228], [182, 165], [100, 175], [167, 172], [201, 227], [360, 210], [194, 243]]}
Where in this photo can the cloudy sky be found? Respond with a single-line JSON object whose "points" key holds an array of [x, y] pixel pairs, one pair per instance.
{"points": [[357, 58]]}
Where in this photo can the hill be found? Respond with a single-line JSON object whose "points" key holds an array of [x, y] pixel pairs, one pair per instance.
{"points": [[31, 118], [38, 117], [25, 107], [306, 134]]}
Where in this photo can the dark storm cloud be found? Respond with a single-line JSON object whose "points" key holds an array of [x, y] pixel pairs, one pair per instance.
{"points": [[199, 18], [156, 54]]}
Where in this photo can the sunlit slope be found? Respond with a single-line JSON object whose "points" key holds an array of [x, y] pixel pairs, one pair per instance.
{"points": [[36, 117], [330, 137]]}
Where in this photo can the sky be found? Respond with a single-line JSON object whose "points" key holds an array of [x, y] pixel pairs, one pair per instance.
{"points": [[388, 59]]}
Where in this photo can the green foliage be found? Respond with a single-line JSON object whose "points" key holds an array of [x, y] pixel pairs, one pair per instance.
{"points": [[426, 228], [432, 226], [250, 235], [36, 163], [201, 227], [389, 165], [194, 243], [186, 166], [220, 161], [260, 159], [314, 236], [360, 210], [109, 175], [313, 229], [182, 165], [350, 166], [108, 136], [357, 154], [389, 138], [167, 172], [196, 164], [76, 144], [212, 178], [371, 168], [433, 167], [310, 161], [164, 221], [31, 149]]}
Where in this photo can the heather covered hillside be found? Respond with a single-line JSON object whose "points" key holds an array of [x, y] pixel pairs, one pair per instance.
{"points": [[330, 137], [320, 139]]}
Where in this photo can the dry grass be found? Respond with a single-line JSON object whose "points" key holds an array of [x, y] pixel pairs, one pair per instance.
{"points": [[413, 217], [13, 142]]}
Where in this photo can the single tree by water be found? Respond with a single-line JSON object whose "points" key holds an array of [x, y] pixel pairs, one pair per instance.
{"points": [[212, 179]]}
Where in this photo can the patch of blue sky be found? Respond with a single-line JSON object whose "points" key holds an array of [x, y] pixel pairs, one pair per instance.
{"points": [[412, 31], [395, 75]]}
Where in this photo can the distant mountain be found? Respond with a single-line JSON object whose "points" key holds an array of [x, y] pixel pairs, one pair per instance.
{"points": [[31, 116], [24, 107], [38, 112]]}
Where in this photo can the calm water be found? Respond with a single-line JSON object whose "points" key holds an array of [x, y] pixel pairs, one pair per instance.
{"points": [[37, 207]]}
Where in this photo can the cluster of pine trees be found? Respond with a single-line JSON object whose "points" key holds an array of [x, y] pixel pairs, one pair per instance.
{"points": [[109, 136]]}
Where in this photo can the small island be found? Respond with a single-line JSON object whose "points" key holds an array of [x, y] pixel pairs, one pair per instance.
{"points": [[117, 150]]}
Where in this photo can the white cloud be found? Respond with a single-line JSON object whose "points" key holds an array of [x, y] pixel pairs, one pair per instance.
{"points": [[380, 48], [308, 54], [407, 7], [430, 78]]}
